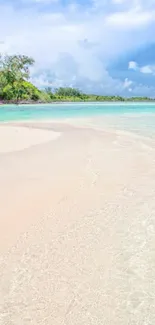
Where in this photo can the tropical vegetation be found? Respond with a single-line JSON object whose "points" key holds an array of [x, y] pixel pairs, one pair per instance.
{"points": [[15, 86]]}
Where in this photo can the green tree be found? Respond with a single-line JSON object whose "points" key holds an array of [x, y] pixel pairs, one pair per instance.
{"points": [[14, 69], [26, 91], [49, 92], [15, 85], [68, 92]]}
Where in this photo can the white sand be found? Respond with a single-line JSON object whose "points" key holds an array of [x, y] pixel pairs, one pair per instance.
{"points": [[77, 227], [14, 138]]}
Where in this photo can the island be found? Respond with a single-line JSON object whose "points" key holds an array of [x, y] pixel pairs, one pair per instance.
{"points": [[16, 88]]}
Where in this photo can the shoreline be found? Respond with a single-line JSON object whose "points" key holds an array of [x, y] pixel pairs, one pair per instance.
{"points": [[40, 131], [76, 102]]}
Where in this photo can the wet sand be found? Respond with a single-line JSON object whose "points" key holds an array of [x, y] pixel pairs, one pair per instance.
{"points": [[77, 226]]}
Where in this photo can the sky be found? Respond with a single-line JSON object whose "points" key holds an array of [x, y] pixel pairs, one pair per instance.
{"points": [[99, 46]]}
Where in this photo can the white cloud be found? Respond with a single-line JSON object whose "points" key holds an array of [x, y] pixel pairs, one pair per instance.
{"points": [[148, 69], [76, 46], [127, 83], [130, 19], [133, 65]]}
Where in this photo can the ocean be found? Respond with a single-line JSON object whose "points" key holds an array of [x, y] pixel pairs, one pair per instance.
{"points": [[136, 117]]}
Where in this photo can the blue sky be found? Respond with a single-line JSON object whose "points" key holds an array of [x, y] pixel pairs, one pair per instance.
{"points": [[99, 46]]}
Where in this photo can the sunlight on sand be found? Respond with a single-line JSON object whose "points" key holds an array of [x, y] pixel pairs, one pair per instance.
{"points": [[14, 138], [77, 225]]}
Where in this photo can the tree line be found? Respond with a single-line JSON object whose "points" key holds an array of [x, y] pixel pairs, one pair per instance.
{"points": [[15, 86]]}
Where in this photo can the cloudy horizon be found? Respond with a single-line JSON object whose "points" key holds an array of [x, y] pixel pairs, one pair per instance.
{"points": [[100, 46]]}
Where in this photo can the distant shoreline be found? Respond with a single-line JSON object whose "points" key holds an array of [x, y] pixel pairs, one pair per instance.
{"points": [[74, 102]]}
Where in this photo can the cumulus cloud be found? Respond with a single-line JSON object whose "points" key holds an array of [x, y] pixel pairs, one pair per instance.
{"points": [[146, 69], [133, 65], [74, 44]]}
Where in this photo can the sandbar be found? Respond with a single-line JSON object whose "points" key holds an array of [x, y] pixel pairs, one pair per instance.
{"points": [[77, 226]]}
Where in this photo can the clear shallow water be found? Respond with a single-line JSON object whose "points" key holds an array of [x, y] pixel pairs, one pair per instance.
{"points": [[24, 112], [137, 117]]}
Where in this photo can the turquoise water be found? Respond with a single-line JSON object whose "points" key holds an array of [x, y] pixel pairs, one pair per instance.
{"points": [[137, 117], [24, 112]]}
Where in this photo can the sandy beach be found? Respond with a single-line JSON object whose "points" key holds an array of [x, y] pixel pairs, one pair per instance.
{"points": [[77, 225]]}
